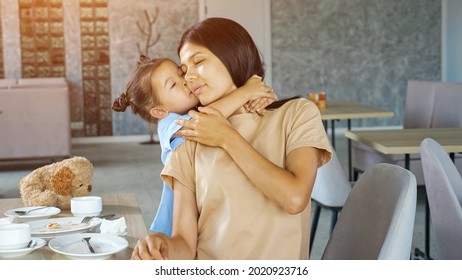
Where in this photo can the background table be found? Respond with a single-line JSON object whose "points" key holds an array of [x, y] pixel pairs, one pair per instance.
{"points": [[344, 110], [120, 204], [407, 141]]}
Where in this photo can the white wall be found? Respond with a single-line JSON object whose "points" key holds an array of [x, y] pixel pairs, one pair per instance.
{"points": [[451, 45], [254, 15]]}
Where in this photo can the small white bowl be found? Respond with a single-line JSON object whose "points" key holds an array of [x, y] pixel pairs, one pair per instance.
{"points": [[86, 206], [14, 236]]}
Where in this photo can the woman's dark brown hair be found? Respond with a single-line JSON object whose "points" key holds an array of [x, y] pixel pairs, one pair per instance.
{"points": [[139, 94], [232, 44]]}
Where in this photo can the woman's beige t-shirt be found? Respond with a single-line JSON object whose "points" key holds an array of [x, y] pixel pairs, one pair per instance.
{"points": [[236, 221]]}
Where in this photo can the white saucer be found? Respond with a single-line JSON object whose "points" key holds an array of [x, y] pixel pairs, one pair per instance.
{"points": [[39, 243], [75, 248], [43, 213]]}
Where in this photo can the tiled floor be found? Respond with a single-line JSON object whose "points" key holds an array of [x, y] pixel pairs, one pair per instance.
{"points": [[134, 167]]}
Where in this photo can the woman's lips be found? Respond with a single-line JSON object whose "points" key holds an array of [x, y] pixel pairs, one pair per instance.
{"points": [[198, 90]]}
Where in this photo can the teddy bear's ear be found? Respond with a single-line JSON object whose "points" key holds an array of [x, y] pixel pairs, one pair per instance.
{"points": [[61, 181]]}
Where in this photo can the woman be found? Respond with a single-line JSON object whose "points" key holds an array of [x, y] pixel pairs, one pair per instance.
{"points": [[157, 92], [243, 185]]}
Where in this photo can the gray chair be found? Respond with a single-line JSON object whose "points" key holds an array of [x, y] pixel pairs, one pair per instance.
{"points": [[443, 183], [330, 192], [446, 109], [377, 220]]}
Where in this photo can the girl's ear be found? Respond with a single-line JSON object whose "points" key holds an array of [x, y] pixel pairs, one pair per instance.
{"points": [[158, 112]]}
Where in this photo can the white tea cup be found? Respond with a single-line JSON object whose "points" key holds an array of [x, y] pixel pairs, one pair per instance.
{"points": [[14, 236], [86, 206]]}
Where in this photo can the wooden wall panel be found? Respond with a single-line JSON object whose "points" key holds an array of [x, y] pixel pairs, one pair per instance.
{"points": [[96, 67], [42, 38]]}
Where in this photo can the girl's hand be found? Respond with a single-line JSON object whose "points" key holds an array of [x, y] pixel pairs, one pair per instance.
{"points": [[152, 247], [259, 94], [259, 104], [208, 127]]}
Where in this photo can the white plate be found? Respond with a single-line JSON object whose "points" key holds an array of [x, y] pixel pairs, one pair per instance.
{"points": [[67, 226], [75, 248], [34, 215], [39, 243]]}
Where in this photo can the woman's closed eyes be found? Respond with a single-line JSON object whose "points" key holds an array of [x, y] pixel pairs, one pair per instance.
{"points": [[198, 61]]}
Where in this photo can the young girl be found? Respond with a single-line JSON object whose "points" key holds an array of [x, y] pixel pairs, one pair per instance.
{"points": [[157, 92]]}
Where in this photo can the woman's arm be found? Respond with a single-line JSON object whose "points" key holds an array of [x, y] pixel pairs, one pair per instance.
{"points": [[185, 216], [183, 243], [289, 187]]}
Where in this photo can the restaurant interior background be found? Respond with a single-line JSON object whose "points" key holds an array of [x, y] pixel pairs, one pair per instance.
{"points": [[363, 51], [359, 50]]}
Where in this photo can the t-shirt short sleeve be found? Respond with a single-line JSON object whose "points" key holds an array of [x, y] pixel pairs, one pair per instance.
{"points": [[166, 129], [181, 166], [308, 130]]}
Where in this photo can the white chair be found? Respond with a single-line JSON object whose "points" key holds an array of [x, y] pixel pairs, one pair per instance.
{"points": [[377, 220], [330, 191], [443, 183]]}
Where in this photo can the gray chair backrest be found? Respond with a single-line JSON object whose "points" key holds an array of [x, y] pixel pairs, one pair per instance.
{"points": [[447, 110], [377, 220], [419, 104], [443, 183], [332, 186]]}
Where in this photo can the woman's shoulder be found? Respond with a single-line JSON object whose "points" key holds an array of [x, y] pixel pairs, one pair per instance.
{"points": [[299, 101], [300, 104]]}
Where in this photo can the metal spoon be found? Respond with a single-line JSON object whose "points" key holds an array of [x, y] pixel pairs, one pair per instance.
{"points": [[25, 212], [87, 239], [32, 243]]}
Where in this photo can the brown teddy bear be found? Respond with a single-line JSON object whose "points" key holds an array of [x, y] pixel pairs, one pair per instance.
{"points": [[56, 183]]}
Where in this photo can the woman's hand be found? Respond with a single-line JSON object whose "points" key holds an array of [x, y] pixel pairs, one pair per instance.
{"points": [[208, 127], [152, 247]]}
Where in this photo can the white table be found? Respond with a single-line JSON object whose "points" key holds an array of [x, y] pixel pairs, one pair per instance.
{"points": [[344, 110], [120, 204]]}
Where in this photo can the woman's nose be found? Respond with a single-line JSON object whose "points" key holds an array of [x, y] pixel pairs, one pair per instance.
{"points": [[190, 75]]}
